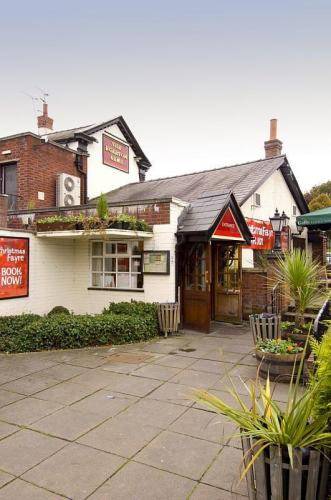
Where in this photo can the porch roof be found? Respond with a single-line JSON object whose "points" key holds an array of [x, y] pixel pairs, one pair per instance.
{"points": [[116, 234]]}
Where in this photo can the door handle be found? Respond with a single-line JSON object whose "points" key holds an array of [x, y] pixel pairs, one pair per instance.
{"points": [[207, 277]]}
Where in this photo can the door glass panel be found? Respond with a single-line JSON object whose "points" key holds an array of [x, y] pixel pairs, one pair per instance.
{"points": [[227, 268], [195, 269]]}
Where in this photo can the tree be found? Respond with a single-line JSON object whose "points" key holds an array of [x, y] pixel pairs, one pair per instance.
{"points": [[323, 200], [324, 188]]}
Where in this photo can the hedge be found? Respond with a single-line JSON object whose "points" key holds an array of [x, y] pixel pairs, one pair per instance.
{"points": [[32, 333], [132, 308]]}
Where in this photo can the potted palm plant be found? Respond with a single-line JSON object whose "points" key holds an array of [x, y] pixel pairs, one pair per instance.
{"points": [[301, 283], [284, 450]]}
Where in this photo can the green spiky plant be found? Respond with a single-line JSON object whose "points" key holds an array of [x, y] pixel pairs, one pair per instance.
{"points": [[322, 352], [102, 208], [300, 280], [264, 421]]}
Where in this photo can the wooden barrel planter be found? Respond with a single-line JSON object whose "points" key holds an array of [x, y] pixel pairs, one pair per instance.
{"points": [[279, 366], [265, 326], [271, 477], [168, 315]]}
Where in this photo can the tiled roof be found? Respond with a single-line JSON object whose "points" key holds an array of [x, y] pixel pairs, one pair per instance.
{"points": [[241, 179]]}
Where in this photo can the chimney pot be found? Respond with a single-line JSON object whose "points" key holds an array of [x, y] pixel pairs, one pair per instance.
{"points": [[273, 147]]}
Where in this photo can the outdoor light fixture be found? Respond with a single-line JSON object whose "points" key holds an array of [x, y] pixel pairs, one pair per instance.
{"points": [[299, 228], [278, 222]]}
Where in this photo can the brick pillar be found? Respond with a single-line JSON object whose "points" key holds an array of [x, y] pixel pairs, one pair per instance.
{"points": [[3, 210], [273, 147]]}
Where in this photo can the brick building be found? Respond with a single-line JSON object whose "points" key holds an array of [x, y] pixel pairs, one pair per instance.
{"points": [[209, 228]]}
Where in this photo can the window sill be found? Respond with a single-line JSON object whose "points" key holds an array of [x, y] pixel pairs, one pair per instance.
{"points": [[116, 289]]}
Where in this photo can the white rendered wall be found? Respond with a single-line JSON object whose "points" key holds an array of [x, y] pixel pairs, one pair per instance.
{"points": [[274, 194], [102, 178], [60, 274]]}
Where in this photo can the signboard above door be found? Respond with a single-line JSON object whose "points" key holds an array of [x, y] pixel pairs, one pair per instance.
{"points": [[228, 228], [115, 154]]}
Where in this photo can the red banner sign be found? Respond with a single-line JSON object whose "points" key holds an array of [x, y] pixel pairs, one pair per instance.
{"points": [[262, 233], [14, 267], [228, 227], [115, 153]]}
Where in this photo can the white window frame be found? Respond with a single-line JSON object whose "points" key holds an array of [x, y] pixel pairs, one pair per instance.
{"points": [[129, 255]]}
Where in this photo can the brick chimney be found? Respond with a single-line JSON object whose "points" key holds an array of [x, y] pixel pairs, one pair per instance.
{"points": [[273, 147], [45, 123]]}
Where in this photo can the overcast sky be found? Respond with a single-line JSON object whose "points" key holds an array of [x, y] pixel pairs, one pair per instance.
{"points": [[196, 81]]}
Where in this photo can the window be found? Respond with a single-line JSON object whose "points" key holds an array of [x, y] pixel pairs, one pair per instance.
{"points": [[257, 199], [116, 264], [8, 184], [294, 211]]}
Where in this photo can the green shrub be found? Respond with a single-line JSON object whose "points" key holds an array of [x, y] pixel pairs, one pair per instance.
{"points": [[11, 325], [58, 310], [132, 308], [322, 376], [102, 207], [63, 331]]}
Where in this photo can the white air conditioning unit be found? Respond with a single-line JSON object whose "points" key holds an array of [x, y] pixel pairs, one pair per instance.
{"points": [[67, 190]]}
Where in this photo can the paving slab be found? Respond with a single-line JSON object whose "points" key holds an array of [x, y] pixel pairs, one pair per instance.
{"points": [[173, 393], [141, 482], [7, 429], [4, 479], [19, 489], [31, 384], [205, 492], [68, 423], [217, 367], [94, 379], [157, 372], [183, 455], [65, 393], [156, 413], [225, 471], [175, 361], [135, 386], [28, 410], [21, 451], [121, 436], [7, 397], [204, 425], [62, 372], [196, 379], [105, 403], [76, 471]]}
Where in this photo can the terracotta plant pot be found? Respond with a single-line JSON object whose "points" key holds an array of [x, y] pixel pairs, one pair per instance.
{"points": [[279, 366]]}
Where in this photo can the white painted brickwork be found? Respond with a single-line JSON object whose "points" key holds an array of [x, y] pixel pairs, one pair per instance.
{"points": [[60, 274]]}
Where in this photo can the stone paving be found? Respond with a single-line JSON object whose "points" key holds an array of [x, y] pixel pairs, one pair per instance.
{"points": [[120, 423]]}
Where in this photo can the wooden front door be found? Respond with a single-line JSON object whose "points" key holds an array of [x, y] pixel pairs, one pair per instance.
{"points": [[227, 282], [195, 284]]}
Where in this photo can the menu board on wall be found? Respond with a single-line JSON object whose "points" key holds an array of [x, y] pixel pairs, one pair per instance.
{"points": [[157, 262], [14, 267], [115, 153]]}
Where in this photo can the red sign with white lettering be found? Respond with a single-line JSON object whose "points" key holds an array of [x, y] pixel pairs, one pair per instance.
{"points": [[262, 233], [228, 227], [14, 267], [115, 153]]}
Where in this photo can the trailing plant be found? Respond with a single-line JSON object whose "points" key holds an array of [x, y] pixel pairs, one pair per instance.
{"points": [[322, 353], [301, 283], [61, 218], [278, 346], [95, 222], [102, 208], [264, 420]]}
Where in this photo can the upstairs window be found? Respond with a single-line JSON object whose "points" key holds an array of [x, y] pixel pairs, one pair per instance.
{"points": [[294, 210], [257, 199], [8, 184], [116, 264]]}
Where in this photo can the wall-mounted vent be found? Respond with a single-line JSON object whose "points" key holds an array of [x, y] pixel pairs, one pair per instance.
{"points": [[67, 190]]}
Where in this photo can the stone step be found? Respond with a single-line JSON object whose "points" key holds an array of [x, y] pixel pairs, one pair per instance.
{"points": [[290, 315]]}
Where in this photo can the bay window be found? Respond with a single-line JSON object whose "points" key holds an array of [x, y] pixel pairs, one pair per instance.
{"points": [[116, 264]]}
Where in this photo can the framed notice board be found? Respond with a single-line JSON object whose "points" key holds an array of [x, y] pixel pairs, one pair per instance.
{"points": [[157, 262]]}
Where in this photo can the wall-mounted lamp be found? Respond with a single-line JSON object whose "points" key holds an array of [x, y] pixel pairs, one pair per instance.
{"points": [[278, 222]]}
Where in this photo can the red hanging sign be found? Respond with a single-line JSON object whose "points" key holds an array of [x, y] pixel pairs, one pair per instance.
{"points": [[228, 227], [115, 153], [14, 267], [262, 233]]}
